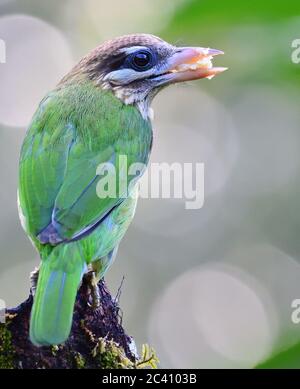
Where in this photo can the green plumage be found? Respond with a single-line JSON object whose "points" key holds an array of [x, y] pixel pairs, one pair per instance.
{"points": [[95, 117], [76, 128]]}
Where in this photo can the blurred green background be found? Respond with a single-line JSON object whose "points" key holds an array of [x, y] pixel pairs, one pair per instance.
{"points": [[206, 288]]}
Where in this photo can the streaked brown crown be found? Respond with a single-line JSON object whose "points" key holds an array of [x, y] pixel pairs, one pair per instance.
{"points": [[106, 54], [124, 41]]}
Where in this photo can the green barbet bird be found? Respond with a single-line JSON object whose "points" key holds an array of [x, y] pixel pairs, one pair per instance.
{"points": [[97, 113]]}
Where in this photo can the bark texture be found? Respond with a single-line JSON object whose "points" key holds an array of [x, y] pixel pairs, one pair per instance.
{"points": [[97, 339]]}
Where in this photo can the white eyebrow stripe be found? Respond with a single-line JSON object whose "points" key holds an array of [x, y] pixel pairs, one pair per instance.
{"points": [[132, 49]]}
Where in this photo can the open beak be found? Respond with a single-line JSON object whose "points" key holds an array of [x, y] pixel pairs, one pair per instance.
{"points": [[192, 63]]}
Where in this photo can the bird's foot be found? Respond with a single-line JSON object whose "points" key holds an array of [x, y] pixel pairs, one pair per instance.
{"points": [[92, 282], [34, 275]]}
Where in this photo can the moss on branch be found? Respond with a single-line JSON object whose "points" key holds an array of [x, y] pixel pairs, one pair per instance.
{"points": [[97, 339]]}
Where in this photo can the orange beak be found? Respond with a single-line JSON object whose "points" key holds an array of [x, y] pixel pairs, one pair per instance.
{"points": [[192, 63]]}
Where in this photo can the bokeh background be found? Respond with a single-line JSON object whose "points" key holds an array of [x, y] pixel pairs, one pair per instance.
{"points": [[210, 287]]}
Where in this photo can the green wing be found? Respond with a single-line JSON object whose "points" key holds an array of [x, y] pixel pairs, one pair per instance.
{"points": [[76, 129]]}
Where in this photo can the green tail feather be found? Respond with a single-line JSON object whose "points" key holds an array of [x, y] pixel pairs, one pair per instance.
{"points": [[52, 312]]}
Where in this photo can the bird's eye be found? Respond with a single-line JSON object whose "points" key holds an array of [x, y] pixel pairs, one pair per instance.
{"points": [[141, 60]]}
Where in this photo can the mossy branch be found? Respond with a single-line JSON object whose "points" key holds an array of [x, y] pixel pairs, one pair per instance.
{"points": [[97, 339]]}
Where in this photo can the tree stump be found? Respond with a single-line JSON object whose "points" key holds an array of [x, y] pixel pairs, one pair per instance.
{"points": [[97, 339]]}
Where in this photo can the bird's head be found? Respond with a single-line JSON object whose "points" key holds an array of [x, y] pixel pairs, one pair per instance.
{"points": [[136, 67]]}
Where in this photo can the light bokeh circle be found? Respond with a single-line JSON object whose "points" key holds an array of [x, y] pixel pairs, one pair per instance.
{"points": [[213, 316], [37, 56]]}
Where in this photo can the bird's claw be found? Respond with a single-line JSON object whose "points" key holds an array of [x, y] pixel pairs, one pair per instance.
{"points": [[92, 283]]}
